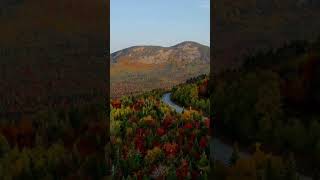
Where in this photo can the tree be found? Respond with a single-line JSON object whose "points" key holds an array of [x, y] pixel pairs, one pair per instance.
{"points": [[235, 155], [4, 146], [291, 172], [274, 169], [314, 134], [268, 106]]}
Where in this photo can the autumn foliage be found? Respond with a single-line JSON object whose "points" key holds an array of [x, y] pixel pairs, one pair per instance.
{"points": [[150, 140]]}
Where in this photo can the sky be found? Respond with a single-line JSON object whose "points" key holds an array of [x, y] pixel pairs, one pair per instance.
{"points": [[158, 22]]}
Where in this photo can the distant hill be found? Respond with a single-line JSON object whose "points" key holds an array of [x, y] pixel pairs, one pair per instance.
{"points": [[185, 52], [141, 68]]}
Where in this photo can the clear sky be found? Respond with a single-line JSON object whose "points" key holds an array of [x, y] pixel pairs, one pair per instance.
{"points": [[158, 22]]}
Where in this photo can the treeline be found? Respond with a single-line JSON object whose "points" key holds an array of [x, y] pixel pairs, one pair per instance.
{"points": [[273, 99], [66, 143], [196, 79], [194, 93], [259, 166]]}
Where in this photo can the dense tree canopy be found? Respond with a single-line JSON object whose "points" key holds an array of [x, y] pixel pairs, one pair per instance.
{"points": [[272, 99], [194, 93]]}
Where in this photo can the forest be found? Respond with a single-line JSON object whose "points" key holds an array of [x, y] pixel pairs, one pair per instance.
{"points": [[261, 165], [194, 93], [66, 143], [150, 141], [272, 99]]}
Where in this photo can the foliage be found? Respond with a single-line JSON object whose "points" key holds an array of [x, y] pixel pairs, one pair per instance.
{"points": [[259, 166], [54, 144], [194, 93], [150, 140], [272, 99]]}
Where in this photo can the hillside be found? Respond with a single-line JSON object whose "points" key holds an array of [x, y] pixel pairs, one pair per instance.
{"points": [[142, 68]]}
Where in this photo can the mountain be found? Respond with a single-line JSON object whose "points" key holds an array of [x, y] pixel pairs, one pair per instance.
{"points": [[185, 52], [141, 68]]}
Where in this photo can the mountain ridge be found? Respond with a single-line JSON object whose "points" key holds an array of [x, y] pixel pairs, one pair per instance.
{"points": [[181, 43], [202, 52]]}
